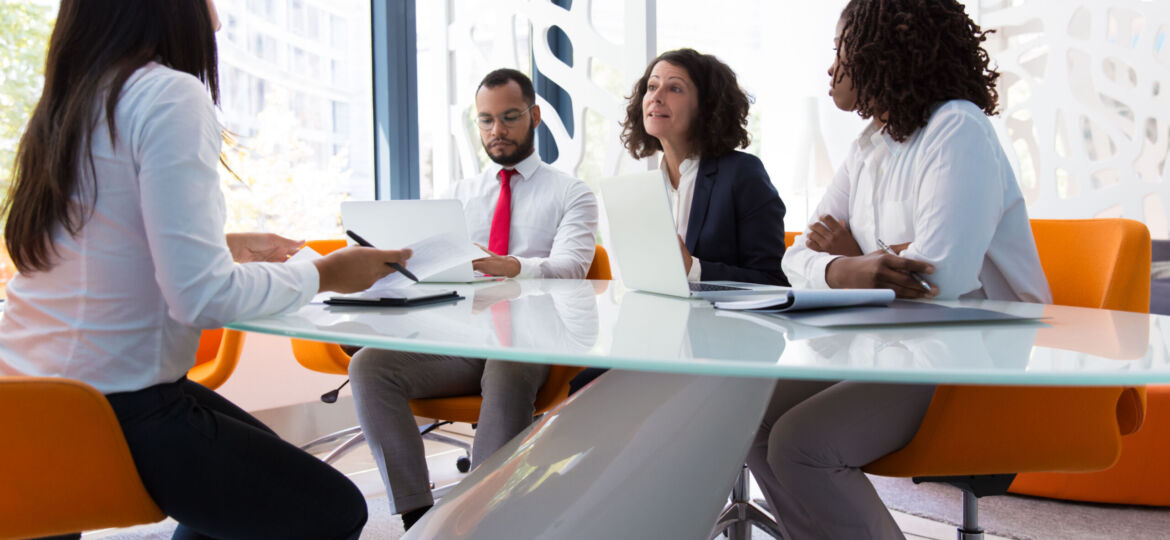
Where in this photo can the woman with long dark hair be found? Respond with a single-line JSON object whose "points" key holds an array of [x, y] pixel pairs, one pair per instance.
{"points": [[115, 222], [928, 178]]}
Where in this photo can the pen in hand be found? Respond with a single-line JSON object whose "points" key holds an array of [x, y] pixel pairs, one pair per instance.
{"points": [[921, 282], [398, 267]]}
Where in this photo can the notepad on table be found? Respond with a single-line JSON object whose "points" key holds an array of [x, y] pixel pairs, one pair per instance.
{"points": [[805, 299]]}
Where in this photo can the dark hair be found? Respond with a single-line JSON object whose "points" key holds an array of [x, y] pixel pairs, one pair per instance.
{"points": [[720, 126], [501, 77], [905, 56], [95, 47]]}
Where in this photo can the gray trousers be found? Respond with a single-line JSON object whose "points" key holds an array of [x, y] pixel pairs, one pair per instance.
{"points": [[813, 441], [384, 382]]}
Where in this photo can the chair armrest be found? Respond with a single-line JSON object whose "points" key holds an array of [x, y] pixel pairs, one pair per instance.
{"points": [[1012, 429]]}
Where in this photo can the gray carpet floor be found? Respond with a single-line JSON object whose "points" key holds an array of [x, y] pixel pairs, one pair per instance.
{"points": [[1027, 517], [1009, 516]]}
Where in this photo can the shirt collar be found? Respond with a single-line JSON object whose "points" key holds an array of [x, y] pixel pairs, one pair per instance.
{"points": [[873, 136], [687, 170], [527, 167]]}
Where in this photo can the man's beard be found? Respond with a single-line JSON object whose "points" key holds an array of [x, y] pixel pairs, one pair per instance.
{"points": [[523, 149]]}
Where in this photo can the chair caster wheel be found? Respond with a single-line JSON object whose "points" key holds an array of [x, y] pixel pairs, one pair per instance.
{"points": [[463, 464]]}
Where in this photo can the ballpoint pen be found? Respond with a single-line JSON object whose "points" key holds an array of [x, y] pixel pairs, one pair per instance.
{"points": [[363, 242], [922, 282]]}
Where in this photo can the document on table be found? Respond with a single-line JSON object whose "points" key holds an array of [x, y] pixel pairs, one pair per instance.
{"points": [[804, 299], [305, 254], [431, 256], [898, 312]]}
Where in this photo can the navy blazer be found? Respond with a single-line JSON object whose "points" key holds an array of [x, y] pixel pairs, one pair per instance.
{"points": [[737, 221]]}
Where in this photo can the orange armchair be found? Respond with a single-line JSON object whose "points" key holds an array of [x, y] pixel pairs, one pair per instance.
{"points": [[50, 486], [217, 356], [1002, 430], [330, 358], [1142, 453]]}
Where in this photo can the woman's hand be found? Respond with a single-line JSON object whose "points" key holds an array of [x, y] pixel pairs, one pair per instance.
{"points": [[354, 269], [880, 270], [261, 247], [831, 235]]}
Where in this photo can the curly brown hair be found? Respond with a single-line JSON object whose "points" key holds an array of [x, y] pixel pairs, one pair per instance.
{"points": [[721, 125], [905, 56]]}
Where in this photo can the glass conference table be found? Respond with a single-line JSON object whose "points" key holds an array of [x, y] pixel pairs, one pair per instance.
{"points": [[650, 450]]}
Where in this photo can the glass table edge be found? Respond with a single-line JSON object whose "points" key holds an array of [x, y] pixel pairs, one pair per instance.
{"points": [[731, 368]]}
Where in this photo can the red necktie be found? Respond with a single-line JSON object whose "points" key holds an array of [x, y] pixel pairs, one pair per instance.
{"points": [[502, 321], [502, 219]]}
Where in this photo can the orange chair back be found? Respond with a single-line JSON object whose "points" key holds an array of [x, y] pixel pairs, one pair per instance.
{"points": [[1097, 263], [314, 355], [789, 238], [66, 467], [217, 357], [599, 269], [327, 246]]}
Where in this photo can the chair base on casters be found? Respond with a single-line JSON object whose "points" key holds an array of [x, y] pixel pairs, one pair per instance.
{"points": [[741, 513], [973, 488], [355, 439]]}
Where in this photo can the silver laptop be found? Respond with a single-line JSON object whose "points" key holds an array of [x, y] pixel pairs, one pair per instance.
{"points": [[645, 243], [394, 224]]}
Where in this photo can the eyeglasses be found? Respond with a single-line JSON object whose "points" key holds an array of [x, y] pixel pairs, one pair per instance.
{"points": [[509, 119]]}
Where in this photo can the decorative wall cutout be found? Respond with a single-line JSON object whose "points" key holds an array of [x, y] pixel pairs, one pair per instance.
{"points": [[481, 36], [1085, 98]]}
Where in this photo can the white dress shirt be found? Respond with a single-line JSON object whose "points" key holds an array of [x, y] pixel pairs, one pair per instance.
{"points": [[124, 302], [680, 203], [950, 192], [554, 218]]}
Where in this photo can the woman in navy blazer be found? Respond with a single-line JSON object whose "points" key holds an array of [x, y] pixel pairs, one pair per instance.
{"points": [[730, 220]]}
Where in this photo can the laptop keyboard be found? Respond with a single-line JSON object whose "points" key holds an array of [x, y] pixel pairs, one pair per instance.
{"points": [[708, 287]]}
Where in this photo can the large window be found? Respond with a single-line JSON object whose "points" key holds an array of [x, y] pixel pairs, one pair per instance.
{"points": [[295, 82], [295, 78], [25, 26]]}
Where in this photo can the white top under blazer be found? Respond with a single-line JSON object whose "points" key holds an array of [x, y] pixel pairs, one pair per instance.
{"points": [[124, 302]]}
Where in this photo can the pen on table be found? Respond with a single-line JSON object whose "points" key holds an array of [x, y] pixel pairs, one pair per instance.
{"points": [[363, 242], [918, 278]]}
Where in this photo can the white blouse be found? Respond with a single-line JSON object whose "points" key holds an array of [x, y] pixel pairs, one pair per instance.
{"points": [[680, 203], [950, 192], [123, 305]]}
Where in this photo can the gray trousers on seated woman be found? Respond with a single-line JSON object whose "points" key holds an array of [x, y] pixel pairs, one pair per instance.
{"points": [[813, 441], [384, 382]]}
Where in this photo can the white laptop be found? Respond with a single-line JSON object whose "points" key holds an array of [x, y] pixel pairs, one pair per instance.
{"points": [[395, 224], [645, 243]]}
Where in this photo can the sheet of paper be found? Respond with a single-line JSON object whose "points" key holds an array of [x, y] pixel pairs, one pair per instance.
{"points": [[431, 256], [305, 254]]}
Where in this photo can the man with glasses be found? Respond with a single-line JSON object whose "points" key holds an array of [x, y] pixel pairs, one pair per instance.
{"points": [[533, 221]]}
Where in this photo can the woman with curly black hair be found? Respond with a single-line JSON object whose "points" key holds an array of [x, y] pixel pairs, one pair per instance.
{"points": [[928, 178], [689, 107]]}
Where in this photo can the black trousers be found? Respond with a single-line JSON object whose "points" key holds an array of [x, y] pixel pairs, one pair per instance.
{"points": [[223, 474]]}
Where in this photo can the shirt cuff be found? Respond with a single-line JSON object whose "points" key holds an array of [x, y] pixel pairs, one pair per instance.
{"points": [[696, 270], [310, 279], [818, 276], [529, 267]]}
